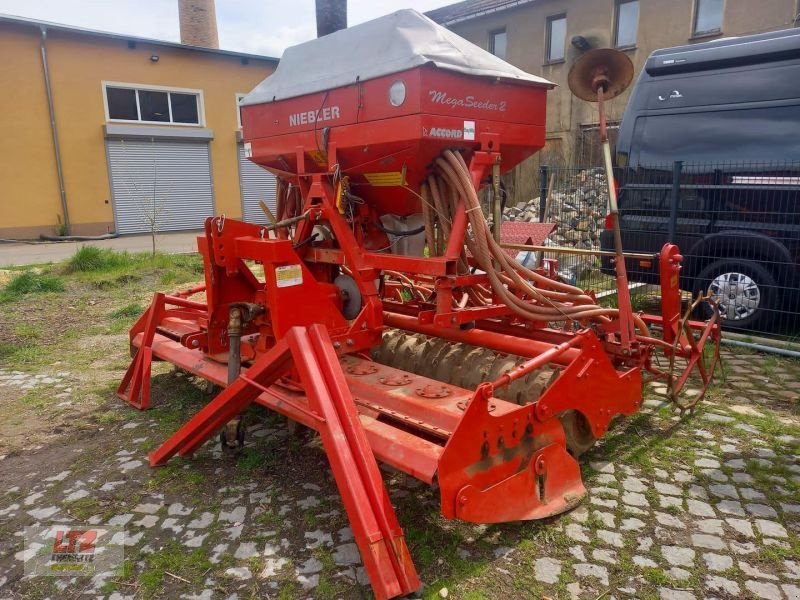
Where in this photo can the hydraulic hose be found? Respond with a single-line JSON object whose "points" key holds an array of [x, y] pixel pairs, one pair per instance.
{"points": [[529, 294]]}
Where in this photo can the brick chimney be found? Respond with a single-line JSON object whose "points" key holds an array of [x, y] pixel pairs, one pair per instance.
{"points": [[198, 20], [331, 16]]}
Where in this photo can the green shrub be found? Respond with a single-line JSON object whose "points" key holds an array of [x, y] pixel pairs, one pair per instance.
{"points": [[93, 259], [30, 282], [131, 311]]}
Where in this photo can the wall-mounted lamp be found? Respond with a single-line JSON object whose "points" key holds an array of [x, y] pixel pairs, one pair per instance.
{"points": [[154, 58], [581, 43]]}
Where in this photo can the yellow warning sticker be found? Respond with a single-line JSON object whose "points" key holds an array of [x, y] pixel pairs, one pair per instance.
{"points": [[386, 179], [289, 275]]}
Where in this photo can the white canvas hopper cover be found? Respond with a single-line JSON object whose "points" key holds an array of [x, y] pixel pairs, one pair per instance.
{"points": [[397, 42]]}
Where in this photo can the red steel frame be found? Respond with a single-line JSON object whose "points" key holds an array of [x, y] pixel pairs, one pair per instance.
{"points": [[494, 461]]}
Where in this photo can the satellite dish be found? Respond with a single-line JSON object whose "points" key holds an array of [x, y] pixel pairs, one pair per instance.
{"points": [[602, 67]]}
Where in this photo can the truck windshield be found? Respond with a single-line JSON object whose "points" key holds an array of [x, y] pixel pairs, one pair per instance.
{"points": [[754, 134]]}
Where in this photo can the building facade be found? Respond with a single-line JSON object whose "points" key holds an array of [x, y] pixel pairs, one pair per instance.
{"points": [[545, 37], [111, 133]]}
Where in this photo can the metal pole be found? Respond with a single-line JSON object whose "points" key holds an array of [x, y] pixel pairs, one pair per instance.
{"points": [[677, 167], [583, 251], [761, 348], [623, 293], [54, 130], [543, 191], [497, 209]]}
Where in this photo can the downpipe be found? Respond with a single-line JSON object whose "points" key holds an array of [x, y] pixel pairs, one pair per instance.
{"points": [[54, 132]]}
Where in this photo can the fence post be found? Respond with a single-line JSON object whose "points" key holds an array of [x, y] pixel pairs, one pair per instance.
{"points": [[543, 176], [677, 167]]}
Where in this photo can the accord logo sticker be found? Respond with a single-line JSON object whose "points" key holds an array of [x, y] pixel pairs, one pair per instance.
{"points": [[441, 132], [438, 97]]}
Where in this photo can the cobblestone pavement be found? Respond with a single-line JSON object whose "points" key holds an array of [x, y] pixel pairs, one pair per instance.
{"points": [[707, 506]]}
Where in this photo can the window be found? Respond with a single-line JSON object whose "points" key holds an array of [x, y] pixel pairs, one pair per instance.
{"points": [[556, 38], [153, 105], [122, 104], [497, 43], [764, 134], [184, 108], [708, 16], [627, 23]]}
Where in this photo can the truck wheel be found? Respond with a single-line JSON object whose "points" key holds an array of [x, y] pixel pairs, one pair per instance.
{"points": [[746, 291]]}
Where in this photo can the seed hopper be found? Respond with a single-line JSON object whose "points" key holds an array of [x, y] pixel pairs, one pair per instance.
{"points": [[380, 309]]}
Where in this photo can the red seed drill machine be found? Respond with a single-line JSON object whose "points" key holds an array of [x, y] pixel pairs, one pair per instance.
{"points": [[381, 310]]}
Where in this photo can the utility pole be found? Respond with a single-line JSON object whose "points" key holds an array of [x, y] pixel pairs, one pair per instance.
{"points": [[331, 16]]}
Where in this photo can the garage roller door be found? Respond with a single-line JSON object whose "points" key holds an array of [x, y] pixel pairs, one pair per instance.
{"points": [[177, 174], [256, 184]]}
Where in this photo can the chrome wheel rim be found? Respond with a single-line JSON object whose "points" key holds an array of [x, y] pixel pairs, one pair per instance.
{"points": [[738, 295]]}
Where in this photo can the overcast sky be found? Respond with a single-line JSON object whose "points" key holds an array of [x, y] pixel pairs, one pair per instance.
{"points": [[257, 26]]}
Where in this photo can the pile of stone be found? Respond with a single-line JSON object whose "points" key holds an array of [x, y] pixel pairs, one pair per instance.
{"points": [[577, 204]]}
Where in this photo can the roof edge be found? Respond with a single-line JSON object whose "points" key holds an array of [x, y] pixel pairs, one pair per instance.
{"points": [[48, 25], [476, 14]]}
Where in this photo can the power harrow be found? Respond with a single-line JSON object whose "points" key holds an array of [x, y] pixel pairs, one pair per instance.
{"points": [[381, 310]]}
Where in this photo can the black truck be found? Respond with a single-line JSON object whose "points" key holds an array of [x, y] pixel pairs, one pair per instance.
{"points": [[729, 111]]}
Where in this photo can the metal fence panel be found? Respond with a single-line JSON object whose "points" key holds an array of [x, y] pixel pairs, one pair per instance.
{"points": [[737, 225]]}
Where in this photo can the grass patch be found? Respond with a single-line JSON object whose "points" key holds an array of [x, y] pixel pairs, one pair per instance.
{"points": [[250, 459], [124, 574], [176, 478], [18, 355], [130, 311], [656, 576], [123, 318], [27, 331], [105, 268], [84, 508], [30, 282], [173, 558], [90, 259], [777, 554]]}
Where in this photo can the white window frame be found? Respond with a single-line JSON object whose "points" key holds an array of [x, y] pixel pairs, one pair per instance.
{"points": [[617, 6], [239, 97], [201, 112], [548, 23], [493, 35], [709, 32]]}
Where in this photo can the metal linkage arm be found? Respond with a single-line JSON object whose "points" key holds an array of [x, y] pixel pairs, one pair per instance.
{"points": [[377, 533], [232, 401], [135, 385]]}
